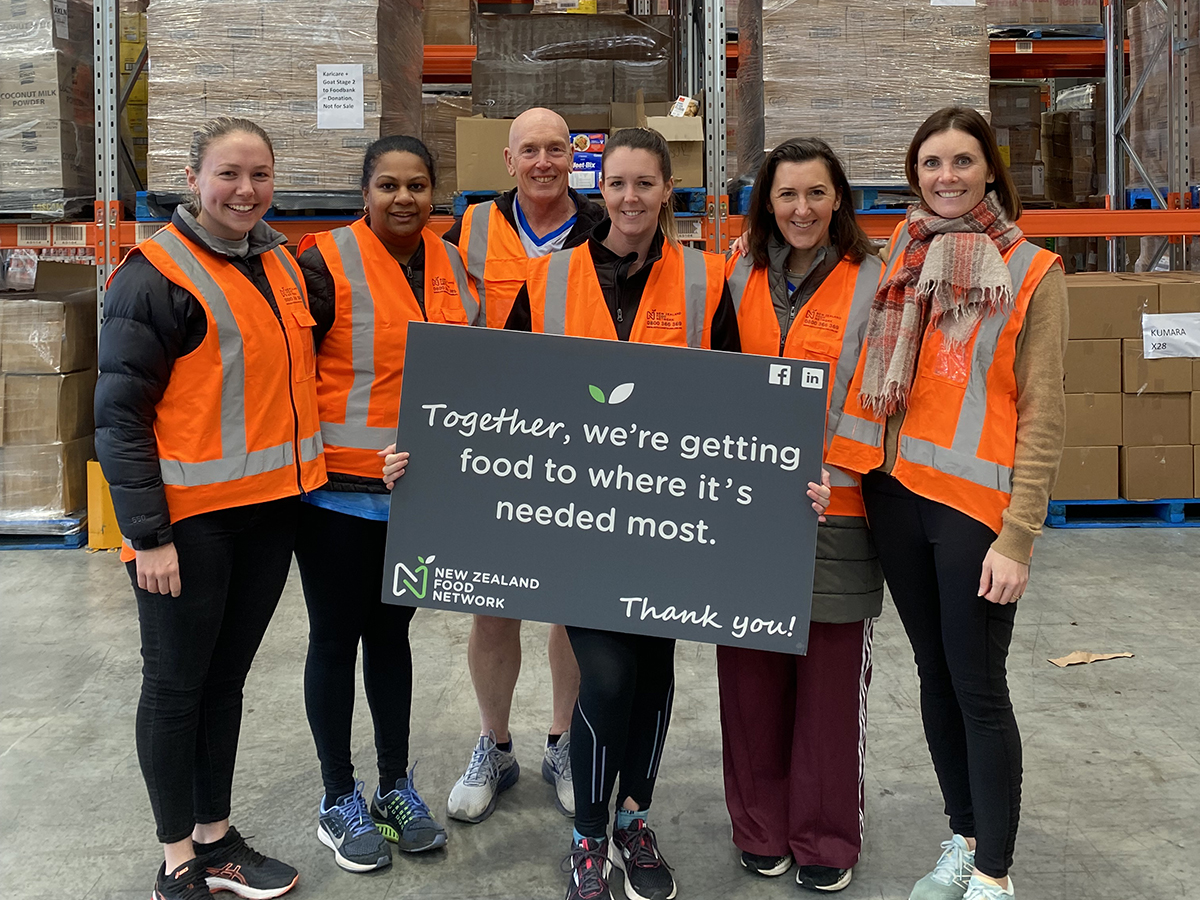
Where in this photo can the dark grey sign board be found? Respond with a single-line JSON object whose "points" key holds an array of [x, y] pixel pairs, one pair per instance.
{"points": [[626, 487]]}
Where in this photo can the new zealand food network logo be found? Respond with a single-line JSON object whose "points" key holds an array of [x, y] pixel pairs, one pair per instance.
{"points": [[619, 394], [410, 579]]}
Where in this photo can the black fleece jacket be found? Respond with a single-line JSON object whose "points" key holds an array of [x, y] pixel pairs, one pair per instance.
{"points": [[588, 216], [148, 324], [623, 293]]}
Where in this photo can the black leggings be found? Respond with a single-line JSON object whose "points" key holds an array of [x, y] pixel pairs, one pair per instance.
{"points": [[196, 651], [626, 685], [932, 557], [341, 567]]}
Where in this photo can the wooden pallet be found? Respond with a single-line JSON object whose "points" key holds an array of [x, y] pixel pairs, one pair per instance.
{"points": [[63, 533], [1124, 514]]}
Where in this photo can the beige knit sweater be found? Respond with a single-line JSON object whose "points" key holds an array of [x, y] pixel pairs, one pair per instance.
{"points": [[1041, 417]]}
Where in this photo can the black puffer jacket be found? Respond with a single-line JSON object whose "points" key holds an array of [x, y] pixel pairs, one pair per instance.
{"points": [[148, 324]]}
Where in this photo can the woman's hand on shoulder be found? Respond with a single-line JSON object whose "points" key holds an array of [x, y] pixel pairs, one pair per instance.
{"points": [[394, 464]]}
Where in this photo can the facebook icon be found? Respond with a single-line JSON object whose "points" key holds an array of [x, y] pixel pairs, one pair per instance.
{"points": [[780, 375]]}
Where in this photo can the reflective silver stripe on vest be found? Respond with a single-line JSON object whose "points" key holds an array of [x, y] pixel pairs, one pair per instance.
{"points": [[312, 447], [695, 293], [838, 478], [554, 310], [285, 261], [857, 317], [861, 431], [477, 244], [475, 312], [235, 462], [354, 432], [961, 459], [737, 281]]}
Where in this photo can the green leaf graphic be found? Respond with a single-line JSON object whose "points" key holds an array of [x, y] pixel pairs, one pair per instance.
{"points": [[597, 394]]}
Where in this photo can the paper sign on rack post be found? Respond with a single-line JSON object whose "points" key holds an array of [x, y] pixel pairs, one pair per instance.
{"points": [[340, 96], [1167, 335]]}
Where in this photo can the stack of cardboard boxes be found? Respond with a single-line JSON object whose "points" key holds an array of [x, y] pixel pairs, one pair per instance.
{"points": [[1045, 12], [577, 65], [1017, 122], [1074, 148], [134, 123], [863, 76], [264, 60], [47, 383], [438, 115], [47, 129], [1133, 425]]}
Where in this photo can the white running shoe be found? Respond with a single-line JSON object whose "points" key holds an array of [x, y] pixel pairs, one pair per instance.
{"points": [[556, 769], [490, 771]]}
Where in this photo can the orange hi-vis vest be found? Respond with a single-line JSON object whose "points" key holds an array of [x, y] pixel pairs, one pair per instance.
{"points": [[829, 328], [959, 436], [360, 367], [677, 306], [495, 258], [237, 423]]}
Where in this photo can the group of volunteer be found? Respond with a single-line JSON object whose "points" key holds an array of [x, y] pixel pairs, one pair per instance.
{"points": [[246, 412]]}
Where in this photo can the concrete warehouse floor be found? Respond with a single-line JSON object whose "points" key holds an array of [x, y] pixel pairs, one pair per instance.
{"points": [[1112, 749]]}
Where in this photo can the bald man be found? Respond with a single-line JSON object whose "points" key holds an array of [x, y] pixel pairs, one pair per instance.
{"points": [[497, 239]]}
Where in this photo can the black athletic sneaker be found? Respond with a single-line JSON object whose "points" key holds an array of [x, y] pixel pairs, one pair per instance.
{"points": [[767, 866], [231, 864], [635, 851], [185, 883], [589, 867], [823, 878]]}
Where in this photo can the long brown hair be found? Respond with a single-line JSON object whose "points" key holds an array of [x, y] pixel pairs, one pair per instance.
{"points": [[846, 235], [652, 141], [968, 121]]}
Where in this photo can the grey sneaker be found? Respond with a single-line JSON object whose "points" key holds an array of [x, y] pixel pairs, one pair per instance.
{"points": [[403, 817], [949, 878], [556, 769], [490, 771], [347, 829]]}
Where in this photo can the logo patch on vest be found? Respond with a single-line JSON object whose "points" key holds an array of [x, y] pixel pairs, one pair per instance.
{"points": [[822, 321], [657, 318], [290, 294], [443, 285]]}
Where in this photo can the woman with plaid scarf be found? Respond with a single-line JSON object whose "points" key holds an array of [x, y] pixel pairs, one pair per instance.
{"points": [[955, 417]]}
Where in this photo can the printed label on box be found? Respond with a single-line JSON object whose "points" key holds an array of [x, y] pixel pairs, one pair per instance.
{"points": [[340, 96], [61, 28], [1167, 335], [585, 173], [588, 142]]}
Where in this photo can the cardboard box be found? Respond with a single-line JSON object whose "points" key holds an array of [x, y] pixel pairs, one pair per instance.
{"points": [[479, 154], [1092, 367], [1108, 306], [585, 176], [1179, 295], [1155, 419], [47, 409], [1195, 468], [684, 134], [44, 481], [53, 327], [1156, 376], [1196, 374], [1157, 473], [103, 532], [1093, 420], [1195, 416], [1088, 473]]}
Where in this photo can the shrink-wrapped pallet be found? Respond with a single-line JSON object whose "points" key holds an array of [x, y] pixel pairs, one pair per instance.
{"points": [[861, 75], [263, 59], [47, 132]]}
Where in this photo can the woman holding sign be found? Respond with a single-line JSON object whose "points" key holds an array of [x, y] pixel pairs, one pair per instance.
{"points": [[631, 272], [793, 728], [207, 430], [956, 415], [366, 282]]}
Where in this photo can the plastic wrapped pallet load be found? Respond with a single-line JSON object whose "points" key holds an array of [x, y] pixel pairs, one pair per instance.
{"points": [[47, 134], [262, 59], [862, 76]]}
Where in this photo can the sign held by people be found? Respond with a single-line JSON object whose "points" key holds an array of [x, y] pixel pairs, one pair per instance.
{"points": [[626, 487]]}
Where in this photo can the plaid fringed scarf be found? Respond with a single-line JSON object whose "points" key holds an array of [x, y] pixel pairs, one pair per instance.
{"points": [[952, 264]]}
